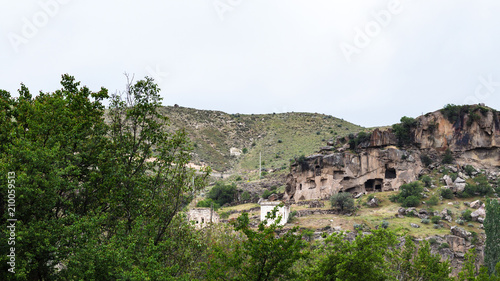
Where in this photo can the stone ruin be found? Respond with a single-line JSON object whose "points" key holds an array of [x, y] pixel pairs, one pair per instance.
{"points": [[203, 217]]}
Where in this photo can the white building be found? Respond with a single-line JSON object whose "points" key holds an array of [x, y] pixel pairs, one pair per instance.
{"points": [[267, 206]]}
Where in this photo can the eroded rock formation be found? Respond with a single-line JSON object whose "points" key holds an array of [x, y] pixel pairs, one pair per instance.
{"points": [[373, 162]]}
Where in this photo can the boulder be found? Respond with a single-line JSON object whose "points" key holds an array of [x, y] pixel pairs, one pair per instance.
{"points": [[475, 204], [401, 211], [444, 215], [457, 244], [479, 213], [459, 185], [447, 181], [372, 203], [359, 195], [460, 232], [414, 225]]}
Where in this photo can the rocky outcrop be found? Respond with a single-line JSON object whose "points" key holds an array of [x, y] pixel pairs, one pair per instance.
{"points": [[372, 162], [373, 169]]}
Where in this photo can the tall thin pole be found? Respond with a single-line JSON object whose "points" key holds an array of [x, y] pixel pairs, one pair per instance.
{"points": [[260, 165]]}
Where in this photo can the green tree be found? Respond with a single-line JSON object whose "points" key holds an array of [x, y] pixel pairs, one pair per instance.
{"points": [[260, 255], [98, 194], [404, 130], [409, 194], [365, 258], [448, 157], [492, 229], [343, 201], [222, 193]]}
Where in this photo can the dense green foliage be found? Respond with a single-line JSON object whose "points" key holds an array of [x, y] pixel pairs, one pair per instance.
{"points": [[448, 157], [404, 130], [492, 229], [446, 193], [259, 254], [409, 194], [222, 193], [355, 140], [343, 201], [101, 198]]}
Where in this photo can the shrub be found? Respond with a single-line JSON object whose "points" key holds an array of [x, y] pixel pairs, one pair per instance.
{"points": [[404, 130], [292, 216], [245, 196], [245, 150], [318, 133], [482, 186], [411, 201], [443, 246], [427, 181], [207, 203], [224, 215], [469, 170], [446, 193], [451, 112], [470, 225], [343, 201], [436, 219], [280, 141], [384, 224], [425, 221], [460, 221], [222, 193], [432, 241], [409, 194], [426, 160], [453, 176], [268, 192], [436, 226], [238, 178], [433, 200], [447, 157], [466, 215]]}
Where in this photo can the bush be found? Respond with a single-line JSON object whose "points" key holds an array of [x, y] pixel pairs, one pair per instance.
{"points": [[385, 224], [447, 157], [245, 196], [446, 193], [469, 170], [470, 225], [435, 219], [432, 241], [292, 216], [268, 192], [207, 203], [238, 178], [225, 215], [433, 200], [343, 201], [426, 160], [483, 187], [425, 221], [245, 150], [426, 180], [404, 130], [409, 195], [436, 226], [222, 193], [411, 201], [466, 215], [460, 221], [443, 246], [452, 112]]}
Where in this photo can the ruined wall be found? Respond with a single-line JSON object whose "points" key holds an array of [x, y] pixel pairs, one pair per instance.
{"points": [[203, 216]]}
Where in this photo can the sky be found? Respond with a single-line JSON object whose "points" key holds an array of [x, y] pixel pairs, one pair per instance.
{"points": [[368, 62]]}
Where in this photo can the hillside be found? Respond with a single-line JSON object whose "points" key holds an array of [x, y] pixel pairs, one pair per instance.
{"points": [[279, 137]]}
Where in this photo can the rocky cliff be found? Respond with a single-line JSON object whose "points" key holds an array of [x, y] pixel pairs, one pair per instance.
{"points": [[383, 160]]}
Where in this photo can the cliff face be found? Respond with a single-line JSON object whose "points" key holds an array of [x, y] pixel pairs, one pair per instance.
{"points": [[374, 163]]}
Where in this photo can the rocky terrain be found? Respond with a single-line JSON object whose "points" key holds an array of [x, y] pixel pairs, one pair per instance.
{"points": [[375, 161]]}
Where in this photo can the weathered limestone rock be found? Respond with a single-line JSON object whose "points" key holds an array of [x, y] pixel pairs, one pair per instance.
{"points": [[414, 225], [457, 244], [479, 213], [475, 204], [459, 185], [372, 203], [460, 232], [447, 181]]}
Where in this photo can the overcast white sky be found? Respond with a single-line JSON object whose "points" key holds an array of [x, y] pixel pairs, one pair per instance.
{"points": [[368, 62]]}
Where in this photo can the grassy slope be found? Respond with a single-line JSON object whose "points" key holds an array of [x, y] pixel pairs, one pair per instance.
{"points": [[279, 137]]}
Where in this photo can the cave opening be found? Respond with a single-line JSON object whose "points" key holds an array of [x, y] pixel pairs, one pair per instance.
{"points": [[390, 173]]}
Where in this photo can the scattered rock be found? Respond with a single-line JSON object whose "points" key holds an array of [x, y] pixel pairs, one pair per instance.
{"points": [[359, 195], [459, 185], [460, 232], [272, 197], [402, 211], [475, 204], [414, 225], [447, 180], [372, 203], [479, 213], [457, 244]]}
